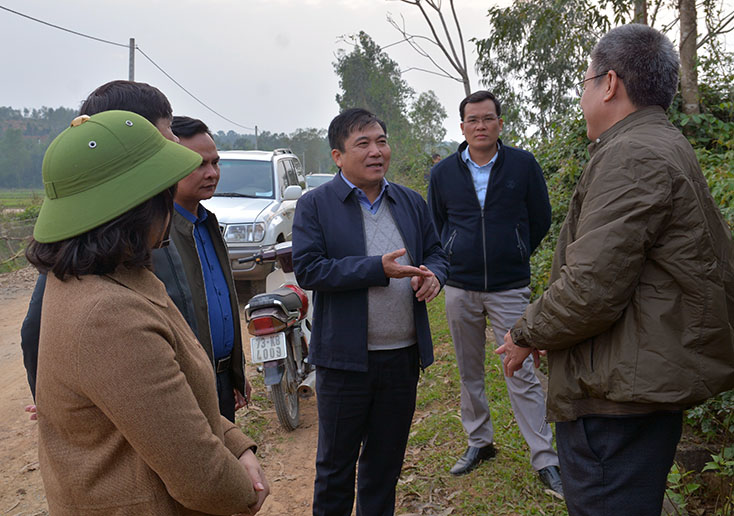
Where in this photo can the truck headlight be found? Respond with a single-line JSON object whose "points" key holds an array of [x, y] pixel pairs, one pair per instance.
{"points": [[244, 233]]}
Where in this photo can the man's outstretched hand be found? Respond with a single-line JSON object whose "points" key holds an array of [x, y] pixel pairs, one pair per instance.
{"points": [[394, 270]]}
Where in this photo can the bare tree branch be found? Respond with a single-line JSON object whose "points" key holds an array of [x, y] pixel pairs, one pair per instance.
{"points": [[449, 39], [445, 43], [717, 30], [409, 38], [655, 11], [457, 79], [461, 36]]}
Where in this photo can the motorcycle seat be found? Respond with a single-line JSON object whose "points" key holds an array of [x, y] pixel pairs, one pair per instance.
{"points": [[290, 299]]}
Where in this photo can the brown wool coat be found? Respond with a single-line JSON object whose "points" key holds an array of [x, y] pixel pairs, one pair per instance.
{"points": [[128, 417]]}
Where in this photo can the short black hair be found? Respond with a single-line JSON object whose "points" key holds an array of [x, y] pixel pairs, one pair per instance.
{"points": [[644, 58], [479, 96], [122, 241], [186, 127], [138, 97], [346, 122]]}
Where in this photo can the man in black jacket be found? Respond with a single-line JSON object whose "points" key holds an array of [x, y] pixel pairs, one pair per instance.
{"points": [[490, 205]]}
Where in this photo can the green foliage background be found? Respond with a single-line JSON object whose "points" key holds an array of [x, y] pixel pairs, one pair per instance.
{"points": [[24, 137]]}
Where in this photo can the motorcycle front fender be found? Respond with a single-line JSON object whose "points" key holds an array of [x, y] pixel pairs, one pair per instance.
{"points": [[273, 372]]}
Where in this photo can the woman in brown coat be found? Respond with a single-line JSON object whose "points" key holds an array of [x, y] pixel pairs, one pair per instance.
{"points": [[128, 417]]}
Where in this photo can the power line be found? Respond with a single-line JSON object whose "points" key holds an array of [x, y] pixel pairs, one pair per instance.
{"points": [[139, 50], [64, 29], [188, 92]]}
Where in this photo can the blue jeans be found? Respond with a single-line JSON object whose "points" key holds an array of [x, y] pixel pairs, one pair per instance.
{"points": [[617, 465], [371, 410]]}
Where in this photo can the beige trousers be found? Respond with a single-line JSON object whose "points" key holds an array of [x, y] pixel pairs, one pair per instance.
{"points": [[467, 312]]}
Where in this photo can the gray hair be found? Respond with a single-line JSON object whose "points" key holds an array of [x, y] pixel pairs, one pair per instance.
{"points": [[644, 59]]}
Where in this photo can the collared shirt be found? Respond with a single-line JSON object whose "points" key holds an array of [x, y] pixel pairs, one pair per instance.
{"points": [[363, 200], [221, 324], [480, 174]]}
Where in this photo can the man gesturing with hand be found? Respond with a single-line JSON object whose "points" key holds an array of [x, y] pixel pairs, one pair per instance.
{"points": [[369, 251]]}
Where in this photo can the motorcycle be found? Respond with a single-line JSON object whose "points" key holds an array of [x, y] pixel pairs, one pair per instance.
{"points": [[279, 322]]}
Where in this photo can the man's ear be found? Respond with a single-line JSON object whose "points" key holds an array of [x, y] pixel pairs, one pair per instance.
{"points": [[614, 86], [336, 155]]}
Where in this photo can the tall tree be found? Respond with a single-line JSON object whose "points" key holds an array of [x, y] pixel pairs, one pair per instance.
{"points": [[370, 79], [640, 15], [313, 148], [687, 48], [539, 48], [537, 51], [426, 119]]}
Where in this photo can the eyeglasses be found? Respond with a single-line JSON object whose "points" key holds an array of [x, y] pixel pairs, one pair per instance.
{"points": [[580, 85], [472, 121]]}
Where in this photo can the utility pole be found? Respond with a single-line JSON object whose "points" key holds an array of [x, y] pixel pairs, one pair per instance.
{"points": [[131, 70], [255, 137]]}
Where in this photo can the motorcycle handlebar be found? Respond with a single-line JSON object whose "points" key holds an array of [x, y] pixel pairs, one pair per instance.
{"points": [[282, 253], [261, 257]]}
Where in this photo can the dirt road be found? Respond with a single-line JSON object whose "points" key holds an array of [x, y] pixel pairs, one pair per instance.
{"points": [[287, 457]]}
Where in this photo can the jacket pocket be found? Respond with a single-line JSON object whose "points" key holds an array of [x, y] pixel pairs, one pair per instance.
{"points": [[449, 247], [520, 245]]}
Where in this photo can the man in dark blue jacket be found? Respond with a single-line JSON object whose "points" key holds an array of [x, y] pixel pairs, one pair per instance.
{"points": [[490, 205], [369, 251]]}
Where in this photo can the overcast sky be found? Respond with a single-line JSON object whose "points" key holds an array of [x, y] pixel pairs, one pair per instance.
{"points": [[257, 62]]}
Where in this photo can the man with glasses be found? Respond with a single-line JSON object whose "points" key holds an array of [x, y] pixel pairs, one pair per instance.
{"points": [[637, 320], [490, 205]]}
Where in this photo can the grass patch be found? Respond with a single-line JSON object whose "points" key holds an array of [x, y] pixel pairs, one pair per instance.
{"points": [[253, 422], [505, 485], [19, 199]]}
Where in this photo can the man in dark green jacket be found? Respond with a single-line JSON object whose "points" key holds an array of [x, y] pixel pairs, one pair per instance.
{"points": [[637, 320], [196, 235]]}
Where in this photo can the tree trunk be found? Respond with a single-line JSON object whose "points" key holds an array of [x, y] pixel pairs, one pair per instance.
{"points": [[640, 15], [688, 74]]}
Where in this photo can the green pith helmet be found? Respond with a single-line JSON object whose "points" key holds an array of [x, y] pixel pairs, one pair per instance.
{"points": [[102, 166]]}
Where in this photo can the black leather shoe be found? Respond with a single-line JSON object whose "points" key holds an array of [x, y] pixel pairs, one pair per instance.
{"points": [[472, 458], [551, 477]]}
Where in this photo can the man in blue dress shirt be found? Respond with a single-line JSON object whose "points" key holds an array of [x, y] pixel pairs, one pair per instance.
{"points": [[490, 205], [195, 233]]}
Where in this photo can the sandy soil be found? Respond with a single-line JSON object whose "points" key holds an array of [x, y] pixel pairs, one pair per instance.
{"points": [[287, 457]]}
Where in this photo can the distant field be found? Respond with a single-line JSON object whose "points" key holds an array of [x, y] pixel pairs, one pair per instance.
{"points": [[19, 199]]}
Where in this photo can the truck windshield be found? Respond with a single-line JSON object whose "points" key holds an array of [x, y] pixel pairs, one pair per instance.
{"points": [[246, 178]]}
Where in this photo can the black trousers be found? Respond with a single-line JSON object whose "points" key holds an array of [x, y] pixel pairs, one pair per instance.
{"points": [[617, 465], [371, 410], [225, 392]]}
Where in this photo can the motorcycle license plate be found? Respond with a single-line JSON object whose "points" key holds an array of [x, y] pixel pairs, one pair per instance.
{"points": [[269, 347]]}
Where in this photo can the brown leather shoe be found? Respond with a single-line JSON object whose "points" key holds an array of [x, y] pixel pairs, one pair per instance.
{"points": [[472, 457]]}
